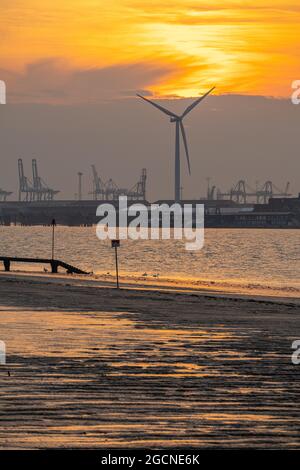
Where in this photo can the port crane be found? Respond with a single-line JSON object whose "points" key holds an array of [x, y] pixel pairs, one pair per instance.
{"points": [[4, 194], [25, 186], [269, 190], [35, 190], [98, 185], [139, 190], [109, 190], [238, 193], [241, 192], [41, 190]]}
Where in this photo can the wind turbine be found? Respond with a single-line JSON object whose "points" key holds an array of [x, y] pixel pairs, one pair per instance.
{"points": [[179, 129]]}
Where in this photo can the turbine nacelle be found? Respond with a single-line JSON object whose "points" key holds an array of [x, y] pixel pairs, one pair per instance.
{"points": [[175, 119]]}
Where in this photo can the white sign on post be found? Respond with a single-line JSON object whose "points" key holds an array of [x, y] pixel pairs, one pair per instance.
{"points": [[2, 353]]}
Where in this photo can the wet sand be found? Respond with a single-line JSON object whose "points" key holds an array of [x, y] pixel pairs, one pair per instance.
{"points": [[95, 367]]}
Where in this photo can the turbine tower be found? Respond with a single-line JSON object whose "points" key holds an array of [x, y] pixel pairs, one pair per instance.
{"points": [[179, 130]]}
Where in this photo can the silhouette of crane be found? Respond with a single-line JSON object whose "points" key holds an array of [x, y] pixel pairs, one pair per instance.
{"points": [[35, 190], [4, 194], [109, 190], [241, 192]]}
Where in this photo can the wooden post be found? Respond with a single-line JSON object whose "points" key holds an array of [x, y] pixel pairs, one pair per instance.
{"points": [[115, 244], [6, 263], [53, 223], [54, 267]]}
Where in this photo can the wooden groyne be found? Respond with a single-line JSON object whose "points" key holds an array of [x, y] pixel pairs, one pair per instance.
{"points": [[54, 263]]}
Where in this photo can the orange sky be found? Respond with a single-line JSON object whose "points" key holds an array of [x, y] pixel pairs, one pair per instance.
{"points": [[250, 47]]}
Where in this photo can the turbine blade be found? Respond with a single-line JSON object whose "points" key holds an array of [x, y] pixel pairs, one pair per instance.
{"points": [[192, 106], [161, 108], [185, 146]]}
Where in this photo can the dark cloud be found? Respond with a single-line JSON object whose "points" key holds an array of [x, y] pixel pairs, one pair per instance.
{"points": [[53, 82]]}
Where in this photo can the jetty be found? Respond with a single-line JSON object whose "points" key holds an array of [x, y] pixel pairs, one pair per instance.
{"points": [[54, 263]]}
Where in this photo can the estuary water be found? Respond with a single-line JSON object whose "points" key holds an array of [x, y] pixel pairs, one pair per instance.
{"points": [[232, 260]]}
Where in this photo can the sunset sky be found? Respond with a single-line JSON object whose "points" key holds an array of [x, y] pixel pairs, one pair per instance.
{"points": [[164, 47]]}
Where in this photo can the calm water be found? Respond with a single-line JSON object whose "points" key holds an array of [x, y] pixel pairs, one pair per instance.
{"points": [[262, 261]]}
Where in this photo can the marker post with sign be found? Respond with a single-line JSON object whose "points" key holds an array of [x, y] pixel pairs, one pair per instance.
{"points": [[116, 244]]}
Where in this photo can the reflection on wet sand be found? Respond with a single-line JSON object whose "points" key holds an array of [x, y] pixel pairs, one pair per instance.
{"points": [[162, 370]]}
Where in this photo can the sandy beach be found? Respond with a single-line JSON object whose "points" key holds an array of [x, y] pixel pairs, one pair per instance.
{"points": [[93, 367]]}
